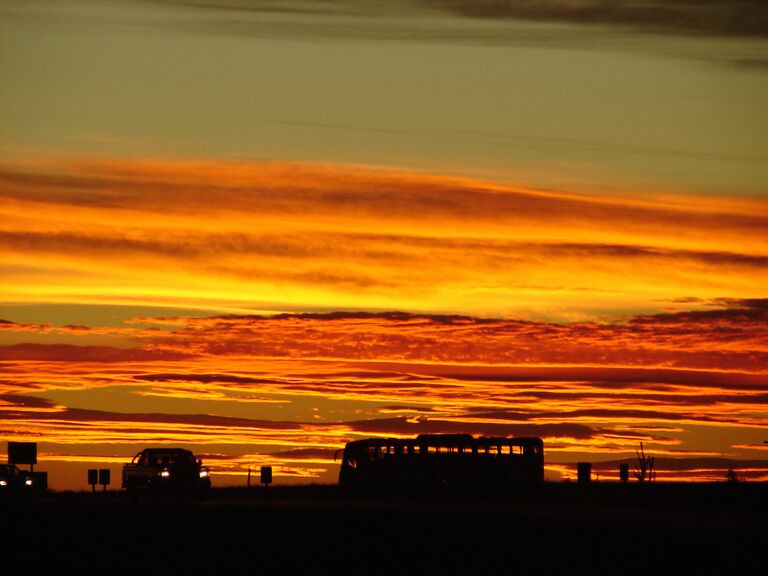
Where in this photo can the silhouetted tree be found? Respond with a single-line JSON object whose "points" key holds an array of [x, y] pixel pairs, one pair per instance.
{"points": [[644, 467]]}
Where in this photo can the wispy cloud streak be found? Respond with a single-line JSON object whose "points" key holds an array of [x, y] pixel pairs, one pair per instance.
{"points": [[708, 17], [236, 234]]}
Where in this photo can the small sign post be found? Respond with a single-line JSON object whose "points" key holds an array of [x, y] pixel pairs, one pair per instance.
{"points": [[624, 473], [104, 478], [93, 478], [266, 475], [584, 472]]}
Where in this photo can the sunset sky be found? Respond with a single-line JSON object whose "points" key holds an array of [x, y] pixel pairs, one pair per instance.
{"points": [[261, 229]]}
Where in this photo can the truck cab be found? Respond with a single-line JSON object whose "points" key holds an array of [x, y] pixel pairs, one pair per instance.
{"points": [[166, 470], [14, 481]]}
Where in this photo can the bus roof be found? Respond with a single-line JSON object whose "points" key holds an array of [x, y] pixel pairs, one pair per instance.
{"points": [[448, 440]]}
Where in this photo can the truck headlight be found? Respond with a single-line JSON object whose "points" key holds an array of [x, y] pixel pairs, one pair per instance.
{"points": [[165, 474], [3, 483]]}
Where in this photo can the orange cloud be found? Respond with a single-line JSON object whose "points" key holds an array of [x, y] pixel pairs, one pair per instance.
{"points": [[732, 338], [281, 236], [317, 380]]}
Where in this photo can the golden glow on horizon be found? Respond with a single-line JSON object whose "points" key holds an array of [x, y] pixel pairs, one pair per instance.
{"points": [[227, 234]]}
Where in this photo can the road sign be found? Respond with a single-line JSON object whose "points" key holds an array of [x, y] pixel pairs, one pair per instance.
{"points": [[266, 475], [22, 452]]}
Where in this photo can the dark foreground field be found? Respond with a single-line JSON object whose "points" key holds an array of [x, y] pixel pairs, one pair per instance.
{"points": [[559, 528]]}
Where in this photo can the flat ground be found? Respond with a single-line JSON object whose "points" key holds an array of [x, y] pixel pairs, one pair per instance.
{"points": [[557, 528]]}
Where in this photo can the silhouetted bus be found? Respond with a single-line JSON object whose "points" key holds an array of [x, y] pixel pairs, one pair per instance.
{"points": [[430, 461]]}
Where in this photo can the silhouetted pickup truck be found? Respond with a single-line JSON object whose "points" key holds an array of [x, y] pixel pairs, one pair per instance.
{"points": [[14, 481], [172, 470]]}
